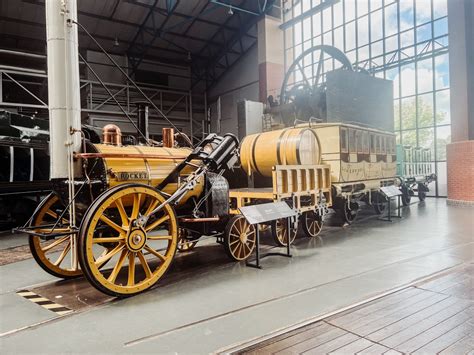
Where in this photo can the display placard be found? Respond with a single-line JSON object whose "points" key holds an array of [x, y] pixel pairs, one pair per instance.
{"points": [[267, 212], [391, 191]]}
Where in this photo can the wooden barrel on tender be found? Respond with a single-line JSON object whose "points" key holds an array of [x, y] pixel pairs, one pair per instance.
{"points": [[260, 152]]}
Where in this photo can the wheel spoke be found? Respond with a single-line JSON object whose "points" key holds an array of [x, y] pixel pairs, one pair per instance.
{"points": [[55, 243], [63, 254], [131, 269], [157, 223], [136, 205], [111, 224], [151, 207], [160, 237], [108, 255], [113, 275], [304, 75], [144, 263], [234, 250], [123, 213], [155, 253], [318, 71], [108, 239]]}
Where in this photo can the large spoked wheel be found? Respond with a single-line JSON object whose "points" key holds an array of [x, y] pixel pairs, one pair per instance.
{"points": [[379, 202], [348, 212], [421, 192], [239, 239], [406, 195], [312, 223], [184, 244], [139, 254], [281, 231], [54, 256]]}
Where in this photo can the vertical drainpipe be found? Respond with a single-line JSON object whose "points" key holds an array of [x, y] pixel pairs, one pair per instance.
{"points": [[63, 85]]}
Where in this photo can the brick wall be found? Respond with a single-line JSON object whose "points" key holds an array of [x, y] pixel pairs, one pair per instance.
{"points": [[460, 164]]}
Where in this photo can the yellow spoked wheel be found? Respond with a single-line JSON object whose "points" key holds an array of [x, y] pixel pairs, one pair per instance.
{"points": [[184, 244], [140, 254], [54, 256], [312, 223], [239, 239], [281, 231]]}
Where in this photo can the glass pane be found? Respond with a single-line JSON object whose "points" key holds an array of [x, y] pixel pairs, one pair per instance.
{"points": [[298, 33], [425, 111], [441, 180], [376, 25], [441, 27], [443, 137], [349, 9], [423, 11], [407, 39], [317, 24], [425, 75], [391, 25], [443, 114], [350, 36], [339, 38], [375, 4], [396, 114], [426, 139], [327, 19], [363, 31], [408, 80], [363, 53], [391, 44], [409, 138], [377, 49], [362, 7], [408, 113], [442, 71], [406, 14], [307, 29], [327, 38], [338, 14], [440, 8], [423, 33]]}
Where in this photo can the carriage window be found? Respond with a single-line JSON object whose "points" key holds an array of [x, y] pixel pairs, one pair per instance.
{"points": [[377, 144], [343, 140], [365, 142], [372, 143], [359, 138], [352, 141]]}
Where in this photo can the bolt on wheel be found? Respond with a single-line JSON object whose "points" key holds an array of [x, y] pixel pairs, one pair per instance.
{"points": [[55, 255], [240, 238], [140, 254]]}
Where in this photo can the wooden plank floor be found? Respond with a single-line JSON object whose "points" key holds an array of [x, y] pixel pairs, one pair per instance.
{"points": [[436, 316]]}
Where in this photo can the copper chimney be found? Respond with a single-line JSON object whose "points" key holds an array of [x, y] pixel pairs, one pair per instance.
{"points": [[168, 137], [111, 134]]}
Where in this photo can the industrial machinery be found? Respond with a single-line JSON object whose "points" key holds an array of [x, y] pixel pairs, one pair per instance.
{"points": [[127, 206], [414, 170]]}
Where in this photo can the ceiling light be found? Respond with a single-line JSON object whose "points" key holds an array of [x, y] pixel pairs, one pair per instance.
{"points": [[230, 11], [116, 42]]}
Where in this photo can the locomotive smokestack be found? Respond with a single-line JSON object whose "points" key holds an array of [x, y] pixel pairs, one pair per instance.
{"points": [[142, 109], [63, 83]]}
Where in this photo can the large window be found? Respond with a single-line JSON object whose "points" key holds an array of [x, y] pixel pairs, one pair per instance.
{"points": [[405, 41]]}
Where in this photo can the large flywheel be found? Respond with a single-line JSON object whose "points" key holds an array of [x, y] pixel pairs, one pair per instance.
{"points": [[138, 255], [304, 84]]}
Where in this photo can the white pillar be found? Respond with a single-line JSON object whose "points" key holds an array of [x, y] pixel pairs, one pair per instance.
{"points": [[63, 84]]}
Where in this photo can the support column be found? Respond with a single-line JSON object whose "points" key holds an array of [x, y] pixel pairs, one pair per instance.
{"points": [[460, 153], [270, 58]]}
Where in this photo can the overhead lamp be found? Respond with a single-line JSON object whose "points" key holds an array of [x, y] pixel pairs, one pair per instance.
{"points": [[189, 55], [230, 11], [116, 42]]}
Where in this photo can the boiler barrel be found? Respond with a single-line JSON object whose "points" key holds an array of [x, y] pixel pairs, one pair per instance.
{"points": [[290, 146]]}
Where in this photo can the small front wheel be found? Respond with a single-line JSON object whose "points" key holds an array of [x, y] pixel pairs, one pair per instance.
{"points": [[379, 202], [240, 238]]}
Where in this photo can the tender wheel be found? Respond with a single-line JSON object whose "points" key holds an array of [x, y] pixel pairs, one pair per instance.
{"points": [[406, 195], [239, 238], [379, 202], [184, 244], [312, 223], [280, 232], [421, 192], [54, 256], [349, 213], [140, 254]]}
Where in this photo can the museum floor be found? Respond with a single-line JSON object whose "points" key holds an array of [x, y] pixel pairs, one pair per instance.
{"points": [[209, 304]]}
